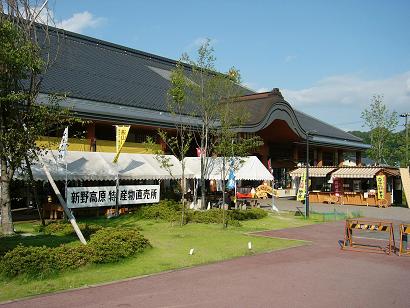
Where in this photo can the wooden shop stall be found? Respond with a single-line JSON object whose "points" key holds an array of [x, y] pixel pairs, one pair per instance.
{"points": [[319, 177], [370, 186]]}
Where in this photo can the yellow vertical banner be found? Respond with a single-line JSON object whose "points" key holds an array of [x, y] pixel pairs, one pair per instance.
{"points": [[302, 188], [121, 135], [380, 186]]}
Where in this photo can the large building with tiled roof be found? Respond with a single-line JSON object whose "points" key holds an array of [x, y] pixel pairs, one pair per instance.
{"points": [[109, 84]]}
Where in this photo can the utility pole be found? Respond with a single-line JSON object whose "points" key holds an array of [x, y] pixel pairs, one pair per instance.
{"points": [[308, 134], [406, 115]]}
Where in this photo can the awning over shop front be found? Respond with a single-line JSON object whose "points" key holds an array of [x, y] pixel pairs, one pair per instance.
{"points": [[356, 172], [98, 166], [314, 172], [246, 168]]}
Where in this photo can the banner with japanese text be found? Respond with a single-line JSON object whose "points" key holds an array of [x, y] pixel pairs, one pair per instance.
{"points": [[121, 136], [80, 197], [380, 186], [302, 188]]}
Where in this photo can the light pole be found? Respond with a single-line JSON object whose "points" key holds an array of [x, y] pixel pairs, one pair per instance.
{"points": [[405, 115], [308, 134]]}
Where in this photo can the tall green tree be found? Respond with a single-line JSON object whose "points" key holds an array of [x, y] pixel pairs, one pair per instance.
{"points": [[22, 118], [179, 141], [395, 146], [382, 124], [211, 95]]}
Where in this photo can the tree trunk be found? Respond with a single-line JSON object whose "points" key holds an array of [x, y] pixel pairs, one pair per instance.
{"points": [[6, 219], [223, 192], [33, 186], [183, 194], [203, 186]]}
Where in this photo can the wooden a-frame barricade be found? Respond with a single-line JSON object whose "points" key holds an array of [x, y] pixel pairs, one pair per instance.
{"points": [[404, 234], [368, 225]]}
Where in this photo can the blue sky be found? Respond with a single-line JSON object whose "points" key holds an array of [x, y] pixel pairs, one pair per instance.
{"points": [[327, 57]]}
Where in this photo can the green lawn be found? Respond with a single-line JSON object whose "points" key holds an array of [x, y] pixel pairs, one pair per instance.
{"points": [[171, 245]]}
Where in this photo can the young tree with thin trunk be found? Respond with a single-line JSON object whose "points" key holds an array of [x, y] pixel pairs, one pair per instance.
{"points": [[207, 91], [180, 140], [381, 123], [229, 143]]}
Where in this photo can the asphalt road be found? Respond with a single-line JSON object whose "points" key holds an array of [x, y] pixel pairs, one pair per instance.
{"points": [[315, 275]]}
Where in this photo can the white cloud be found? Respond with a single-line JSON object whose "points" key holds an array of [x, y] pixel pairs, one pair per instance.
{"points": [[353, 91], [290, 58], [253, 86], [80, 21], [199, 41], [260, 90], [248, 85], [340, 99], [76, 23]]}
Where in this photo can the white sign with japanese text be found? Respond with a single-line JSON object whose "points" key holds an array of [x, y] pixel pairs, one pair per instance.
{"points": [[79, 197]]}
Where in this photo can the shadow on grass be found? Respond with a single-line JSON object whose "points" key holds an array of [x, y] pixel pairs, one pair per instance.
{"points": [[9, 242], [129, 220]]}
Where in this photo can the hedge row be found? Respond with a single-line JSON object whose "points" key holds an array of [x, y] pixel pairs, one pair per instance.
{"points": [[168, 210], [106, 245], [171, 211], [65, 228]]}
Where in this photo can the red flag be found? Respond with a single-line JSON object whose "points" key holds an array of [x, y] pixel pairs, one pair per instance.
{"points": [[270, 166], [200, 152]]}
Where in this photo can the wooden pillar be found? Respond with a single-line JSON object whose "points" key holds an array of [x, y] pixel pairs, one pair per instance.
{"points": [[295, 154], [91, 137], [335, 158], [358, 158], [319, 158], [315, 157], [340, 158], [264, 152]]}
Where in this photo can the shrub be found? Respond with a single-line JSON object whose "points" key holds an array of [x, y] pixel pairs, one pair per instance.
{"points": [[254, 213], [206, 217], [168, 210], [111, 245], [32, 261], [89, 229], [106, 245], [65, 228], [70, 257]]}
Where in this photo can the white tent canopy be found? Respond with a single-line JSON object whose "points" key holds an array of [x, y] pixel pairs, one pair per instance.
{"points": [[96, 166], [246, 168]]}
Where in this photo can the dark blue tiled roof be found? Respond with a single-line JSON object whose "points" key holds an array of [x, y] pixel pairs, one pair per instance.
{"points": [[310, 123], [94, 70]]}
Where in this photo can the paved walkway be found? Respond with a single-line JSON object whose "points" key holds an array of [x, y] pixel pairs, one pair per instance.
{"points": [[315, 275]]}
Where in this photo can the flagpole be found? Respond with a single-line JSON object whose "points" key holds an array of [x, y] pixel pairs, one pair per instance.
{"points": [[274, 208], [117, 189], [62, 154], [66, 180], [236, 204]]}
